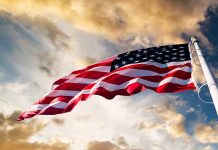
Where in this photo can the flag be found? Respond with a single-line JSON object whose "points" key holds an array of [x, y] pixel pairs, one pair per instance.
{"points": [[163, 69]]}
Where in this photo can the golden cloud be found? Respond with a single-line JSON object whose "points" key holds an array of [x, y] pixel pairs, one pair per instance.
{"points": [[58, 121], [16, 135], [122, 142], [197, 72], [207, 133], [163, 21], [102, 145], [174, 121], [168, 119], [148, 22]]}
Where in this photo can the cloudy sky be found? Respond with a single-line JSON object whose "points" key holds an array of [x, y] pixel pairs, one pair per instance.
{"points": [[43, 40]]}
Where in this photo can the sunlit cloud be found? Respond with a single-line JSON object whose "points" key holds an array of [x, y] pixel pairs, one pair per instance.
{"points": [[17, 135], [163, 21], [99, 145], [207, 133]]}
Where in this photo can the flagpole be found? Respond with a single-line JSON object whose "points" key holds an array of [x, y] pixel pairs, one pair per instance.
{"points": [[207, 73]]}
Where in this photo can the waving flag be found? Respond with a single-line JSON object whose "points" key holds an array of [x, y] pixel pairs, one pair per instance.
{"points": [[162, 69]]}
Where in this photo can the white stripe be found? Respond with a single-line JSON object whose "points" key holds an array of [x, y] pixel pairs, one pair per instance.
{"points": [[37, 107], [101, 69], [81, 80], [139, 72], [130, 73], [160, 65], [98, 68], [183, 82], [56, 93], [113, 87], [57, 104], [127, 72], [107, 68], [107, 86]]}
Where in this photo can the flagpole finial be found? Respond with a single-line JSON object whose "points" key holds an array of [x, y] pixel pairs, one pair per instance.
{"points": [[194, 39]]}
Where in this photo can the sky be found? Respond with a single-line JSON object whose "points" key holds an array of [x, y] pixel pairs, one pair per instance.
{"points": [[43, 40]]}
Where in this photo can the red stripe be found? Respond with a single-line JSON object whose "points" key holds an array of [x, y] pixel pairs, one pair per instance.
{"points": [[119, 79], [132, 89], [133, 66], [71, 86], [63, 79], [114, 79], [51, 111], [48, 100], [60, 81], [27, 114], [106, 62], [92, 75], [153, 68], [88, 74], [137, 87], [96, 75]]}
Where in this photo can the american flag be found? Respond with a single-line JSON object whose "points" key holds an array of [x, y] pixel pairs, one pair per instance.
{"points": [[163, 69]]}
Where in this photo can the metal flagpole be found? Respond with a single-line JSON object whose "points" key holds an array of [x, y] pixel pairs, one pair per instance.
{"points": [[207, 73]]}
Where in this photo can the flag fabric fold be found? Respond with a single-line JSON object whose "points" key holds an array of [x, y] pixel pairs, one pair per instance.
{"points": [[163, 69]]}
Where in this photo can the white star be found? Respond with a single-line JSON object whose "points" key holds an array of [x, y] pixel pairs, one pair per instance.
{"points": [[138, 55], [152, 55], [181, 47], [131, 58], [127, 53], [139, 50], [181, 51], [136, 61], [160, 53], [145, 51], [164, 49], [174, 49], [116, 66], [159, 58], [181, 59], [150, 60], [167, 51], [145, 58], [167, 56], [174, 53], [118, 58], [124, 62], [181, 54], [166, 61], [170, 46], [173, 58]]}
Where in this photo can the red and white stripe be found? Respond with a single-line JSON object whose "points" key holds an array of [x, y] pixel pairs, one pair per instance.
{"points": [[97, 79]]}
